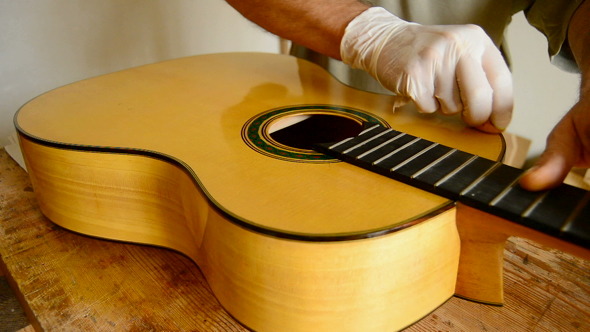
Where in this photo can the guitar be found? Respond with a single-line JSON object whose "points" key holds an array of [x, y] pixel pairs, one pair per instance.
{"points": [[199, 155]]}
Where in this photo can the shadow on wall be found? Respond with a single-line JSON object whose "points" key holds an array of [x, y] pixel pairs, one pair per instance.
{"points": [[45, 44], [133, 32]]}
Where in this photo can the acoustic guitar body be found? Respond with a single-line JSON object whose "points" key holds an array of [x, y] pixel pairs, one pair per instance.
{"points": [[182, 154]]}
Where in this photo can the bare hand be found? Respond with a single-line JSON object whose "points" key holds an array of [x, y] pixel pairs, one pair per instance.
{"points": [[568, 146]]}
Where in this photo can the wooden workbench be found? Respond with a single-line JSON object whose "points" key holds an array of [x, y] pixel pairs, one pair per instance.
{"points": [[72, 282]]}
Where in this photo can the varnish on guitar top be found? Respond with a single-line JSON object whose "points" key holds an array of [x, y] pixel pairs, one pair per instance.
{"points": [[198, 155]]}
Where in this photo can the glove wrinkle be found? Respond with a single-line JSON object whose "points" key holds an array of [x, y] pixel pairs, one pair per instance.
{"points": [[448, 69]]}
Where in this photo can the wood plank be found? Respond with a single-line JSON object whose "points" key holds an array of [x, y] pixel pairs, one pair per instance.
{"points": [[72, 282], [12, 317], [28, 328]]}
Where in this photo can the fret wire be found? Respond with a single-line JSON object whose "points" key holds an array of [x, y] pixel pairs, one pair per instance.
{"points": [[505, 192], [455, 171], [534, 204], [381, 145], [340, 143], [438, 160], [366, 141], [479, 179], [396, 151], [483, 191], [571, 218], [413, 157], [351, 138], [369, 129]]}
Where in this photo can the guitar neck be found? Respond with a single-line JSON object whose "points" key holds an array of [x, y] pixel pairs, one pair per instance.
{"points": [[487, 185]]}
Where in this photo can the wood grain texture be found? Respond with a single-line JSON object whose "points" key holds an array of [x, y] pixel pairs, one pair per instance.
{"points": [[165, 164], [72, 282], [266, 282], [483, 237], [12, 316], [76, 283], [193, 110], [203, 207]]}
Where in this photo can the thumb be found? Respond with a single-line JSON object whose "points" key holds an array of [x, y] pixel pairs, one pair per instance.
{"points": [[549, 172], [560, 155]]}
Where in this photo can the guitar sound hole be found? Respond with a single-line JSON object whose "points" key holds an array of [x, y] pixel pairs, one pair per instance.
{"points": [[316, 128]]}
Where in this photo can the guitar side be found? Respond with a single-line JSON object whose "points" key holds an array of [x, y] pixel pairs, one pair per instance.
{"points": [[265, 282]]}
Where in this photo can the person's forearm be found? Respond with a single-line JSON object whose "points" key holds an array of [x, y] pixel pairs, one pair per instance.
{"points": [[316, 24]]}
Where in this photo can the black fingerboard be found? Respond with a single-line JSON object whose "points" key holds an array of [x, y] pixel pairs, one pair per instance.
{"points": [[487, 185]]}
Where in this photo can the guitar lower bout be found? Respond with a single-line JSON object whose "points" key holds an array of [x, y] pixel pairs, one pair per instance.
{"points": [[268, 283]]}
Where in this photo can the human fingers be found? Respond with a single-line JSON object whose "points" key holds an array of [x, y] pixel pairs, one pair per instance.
{"points": [[420, 84], [549, 172], [500, 80], [561, 154], [447, 90], [432, 75], [475, 90]]}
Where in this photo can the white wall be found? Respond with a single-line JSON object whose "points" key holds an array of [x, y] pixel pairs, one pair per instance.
{"points": [[542, 92], [48, 43]]}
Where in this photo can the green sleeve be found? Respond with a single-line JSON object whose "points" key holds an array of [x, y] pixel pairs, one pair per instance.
{"points": [[552, 18]]}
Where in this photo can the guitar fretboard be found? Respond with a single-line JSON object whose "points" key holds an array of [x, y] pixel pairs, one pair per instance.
{"points": [[484, 184]]}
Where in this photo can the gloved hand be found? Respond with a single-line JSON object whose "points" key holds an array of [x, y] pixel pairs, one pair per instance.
{"points": [[450, 68]]}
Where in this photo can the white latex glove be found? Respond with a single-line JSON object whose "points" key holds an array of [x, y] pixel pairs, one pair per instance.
{"points": [[446, 68]]}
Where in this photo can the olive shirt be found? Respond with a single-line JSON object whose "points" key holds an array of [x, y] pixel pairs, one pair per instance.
{"points": [[551, 17]]}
